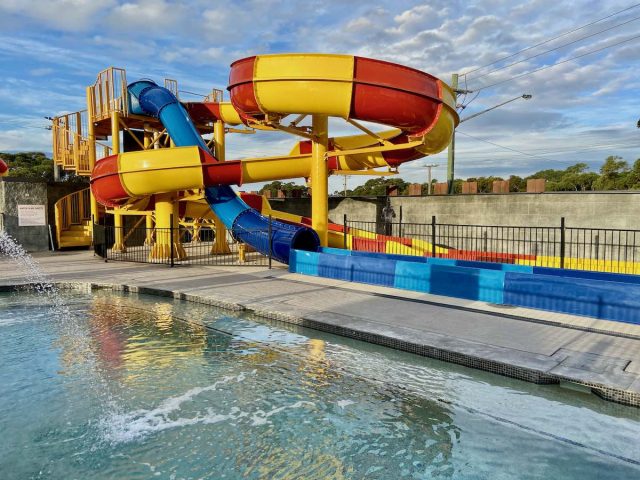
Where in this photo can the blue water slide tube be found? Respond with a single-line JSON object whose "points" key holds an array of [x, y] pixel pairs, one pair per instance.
{"points": [[246, 224]]}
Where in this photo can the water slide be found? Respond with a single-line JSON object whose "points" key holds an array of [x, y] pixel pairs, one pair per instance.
{"points": [[264, 89]]}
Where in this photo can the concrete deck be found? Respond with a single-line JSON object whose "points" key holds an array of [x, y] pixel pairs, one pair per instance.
{"points": [[535, 346]]}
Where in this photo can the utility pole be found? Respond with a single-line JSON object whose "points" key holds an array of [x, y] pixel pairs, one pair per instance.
{"points": [[429, 166], [451, 155], [345, 185], [451, 152]]}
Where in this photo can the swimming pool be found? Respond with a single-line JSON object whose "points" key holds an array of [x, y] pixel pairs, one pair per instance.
{"points": [[136, 387]]}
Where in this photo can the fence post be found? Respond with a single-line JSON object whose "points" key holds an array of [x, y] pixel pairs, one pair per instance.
{"points": [[344, 231], [93, 233], [400, 222], [433, 235], [562, 242], [270, 242], [171, 237], [104, 237]]}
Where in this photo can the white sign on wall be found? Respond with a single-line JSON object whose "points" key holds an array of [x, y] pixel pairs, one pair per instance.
{"points": [[32, 215]]}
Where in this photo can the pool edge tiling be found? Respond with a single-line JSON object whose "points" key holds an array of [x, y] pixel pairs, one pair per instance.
{"points": [[563, 365]]}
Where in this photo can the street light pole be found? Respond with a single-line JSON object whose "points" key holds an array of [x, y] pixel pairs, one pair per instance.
{"points": [[452, 146], [429, 167], [451, 155]]}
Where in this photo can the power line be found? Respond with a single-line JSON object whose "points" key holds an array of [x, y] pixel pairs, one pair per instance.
{"points": [[38, 127], [505, 147], [502, 155], [192, 93], [465, 105], [540, 154], [557, 63], [553, 38], [556, 48], [571, 149], [16, 121]]}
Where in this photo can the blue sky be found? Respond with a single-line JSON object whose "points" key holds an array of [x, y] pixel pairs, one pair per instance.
{"points": [[582, 110]]}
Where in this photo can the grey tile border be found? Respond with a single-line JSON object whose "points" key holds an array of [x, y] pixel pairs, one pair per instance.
{"points": [[606, 392]]}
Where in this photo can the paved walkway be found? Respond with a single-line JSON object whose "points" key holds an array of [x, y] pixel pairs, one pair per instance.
{"points": [[536, 346]]}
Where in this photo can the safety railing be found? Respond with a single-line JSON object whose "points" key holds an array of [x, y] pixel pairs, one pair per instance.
{"points": [[172, 86], [108, 94], [70, 145], [72, 209], [560, 246], [216, 96]]}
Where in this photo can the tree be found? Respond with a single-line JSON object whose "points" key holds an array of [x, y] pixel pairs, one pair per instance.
{"points": [[634, 176], [29, 165], [613, 174], [288, 188], [378, 186], [517, 184], [37, 166]]}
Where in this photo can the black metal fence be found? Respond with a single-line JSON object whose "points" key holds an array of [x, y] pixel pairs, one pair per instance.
{"points": [[183, 245], [560, 246]]}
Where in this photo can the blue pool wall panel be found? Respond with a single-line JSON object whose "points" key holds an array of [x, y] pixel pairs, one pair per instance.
{"points": [[304, 262], [590, 294], [606, 276], [578, 296]]}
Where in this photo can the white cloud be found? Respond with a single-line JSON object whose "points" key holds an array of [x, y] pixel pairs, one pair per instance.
{"points": [[146, 17], [25, 139], [41, 72], [66, 15], [580, 103]]}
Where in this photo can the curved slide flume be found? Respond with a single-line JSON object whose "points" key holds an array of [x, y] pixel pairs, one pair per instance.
{"points": [[245, 224], [264, 89]]}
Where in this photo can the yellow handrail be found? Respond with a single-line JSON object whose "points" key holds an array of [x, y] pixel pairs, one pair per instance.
{"points": [[72, 209], [71, 146], [109, 94]]}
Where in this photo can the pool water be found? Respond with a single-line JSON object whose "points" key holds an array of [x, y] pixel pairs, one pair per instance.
{"points": [[137, 387]]}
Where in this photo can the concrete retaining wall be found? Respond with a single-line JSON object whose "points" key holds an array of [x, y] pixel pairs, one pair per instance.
{"points": [[13, 193], [581, 209]]}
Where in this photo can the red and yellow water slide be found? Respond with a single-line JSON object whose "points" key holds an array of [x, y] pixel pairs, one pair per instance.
{"points": [[264, 89]]}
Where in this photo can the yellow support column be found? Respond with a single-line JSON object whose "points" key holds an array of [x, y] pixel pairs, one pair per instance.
{"points": [[161, 249], [179, 253], [220, 246], [195, 232], [166, 209], [320, 178], [91, 144], [149, 230], [148, 139], [118, 245]]}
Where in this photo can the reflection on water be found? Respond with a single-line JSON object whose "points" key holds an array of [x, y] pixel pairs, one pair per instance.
{"points": [[130, 340], [177, 390]]}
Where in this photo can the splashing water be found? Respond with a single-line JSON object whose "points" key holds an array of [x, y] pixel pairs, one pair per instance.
{"points": [[73, 338], [119, 427], [33, 274]]}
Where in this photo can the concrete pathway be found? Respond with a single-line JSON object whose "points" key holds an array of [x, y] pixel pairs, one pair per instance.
{"points": [[536, 346]]}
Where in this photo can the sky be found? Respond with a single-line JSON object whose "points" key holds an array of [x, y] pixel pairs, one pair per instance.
{"points": [[582, 110]]}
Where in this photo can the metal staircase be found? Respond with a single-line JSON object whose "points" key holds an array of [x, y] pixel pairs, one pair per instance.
{"points": [[73, 220]]}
